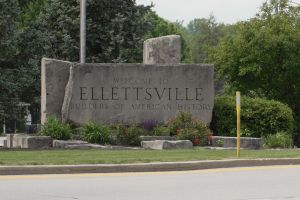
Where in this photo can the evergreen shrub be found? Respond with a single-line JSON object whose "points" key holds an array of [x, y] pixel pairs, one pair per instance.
{"points": [[259, 117]]}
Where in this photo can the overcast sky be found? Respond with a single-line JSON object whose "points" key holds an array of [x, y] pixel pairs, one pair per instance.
{"points": [[227, 11]]}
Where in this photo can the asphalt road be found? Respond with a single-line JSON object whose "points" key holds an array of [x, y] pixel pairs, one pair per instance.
{"points": [[256, 183]]}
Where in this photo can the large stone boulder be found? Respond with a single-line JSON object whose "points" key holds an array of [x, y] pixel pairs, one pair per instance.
{"points": [[166, 144], [28, 142], [65, 143], [151, 138], [165, 49], [37, 142], [3, 142], [9, 139]]}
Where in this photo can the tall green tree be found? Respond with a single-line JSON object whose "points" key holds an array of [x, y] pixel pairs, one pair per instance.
{"points": [[263, 58], [50, 28], [9, 10], [204, 34], [115, 30]]}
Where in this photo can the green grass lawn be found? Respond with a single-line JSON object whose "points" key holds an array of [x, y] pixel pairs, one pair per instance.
{"points": [[60, 157]]}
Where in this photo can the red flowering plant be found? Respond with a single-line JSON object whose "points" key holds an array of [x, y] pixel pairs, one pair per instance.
{"points": [[189, 134], [186, 128], [181, 121]]}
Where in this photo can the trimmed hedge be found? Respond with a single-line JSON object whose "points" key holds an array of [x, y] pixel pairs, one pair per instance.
{"points": [[259, 117]]}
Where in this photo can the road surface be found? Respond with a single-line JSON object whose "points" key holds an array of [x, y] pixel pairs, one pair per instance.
{"points": [[255, 183]]}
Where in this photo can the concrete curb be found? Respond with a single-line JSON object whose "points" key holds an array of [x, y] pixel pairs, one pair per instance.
{"points": [[144, 167]]}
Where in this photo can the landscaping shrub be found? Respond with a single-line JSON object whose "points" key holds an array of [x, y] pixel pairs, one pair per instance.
{"points": [[279, 140], [186, 128], [129, 135], [76, 133], [161, 130], [181, 121], [259, 117], [95, 133], [54, 128]]}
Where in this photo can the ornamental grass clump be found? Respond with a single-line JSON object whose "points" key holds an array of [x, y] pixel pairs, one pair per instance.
{"points": [[95, 133], [54, 128]]}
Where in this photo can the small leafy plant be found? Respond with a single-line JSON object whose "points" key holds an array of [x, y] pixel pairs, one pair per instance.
{"points": [[161, 130], [219, 143], [181, 121], [95, 133], [54, 128], [186, 128], [129, 135], [279, 140]]}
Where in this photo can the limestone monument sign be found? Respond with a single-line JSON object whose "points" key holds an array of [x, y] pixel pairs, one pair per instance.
{"points": [[135, 93], [128, 93]]}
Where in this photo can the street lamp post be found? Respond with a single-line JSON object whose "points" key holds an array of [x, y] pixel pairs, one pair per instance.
{"points": [[82, 31]]}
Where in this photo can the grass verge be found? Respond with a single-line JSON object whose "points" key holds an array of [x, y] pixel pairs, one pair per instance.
{"points": [[70, 157]]}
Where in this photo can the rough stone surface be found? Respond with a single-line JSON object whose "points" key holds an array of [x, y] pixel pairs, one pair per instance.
{"points": [[37, 142], [54, 78], [84, 146], [137, 93], [230, 142], [18, 140], [165, 144], [3, 142], [97, 146], [79, 144], [64, 143], [166, 49], [9, 138], [151, 138], [30, 142]]}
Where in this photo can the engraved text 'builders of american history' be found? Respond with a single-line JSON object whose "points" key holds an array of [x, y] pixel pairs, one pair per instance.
{"points": [[135, 93]]}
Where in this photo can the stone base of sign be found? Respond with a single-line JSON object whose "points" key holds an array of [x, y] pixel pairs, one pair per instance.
{"points": [[79, 144], [165, 144], [18, 140], [100, 147], [38, 142], [152, 138], [3, 142], [9, 138], [23, 141], [65, 143], [230, 142]]}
